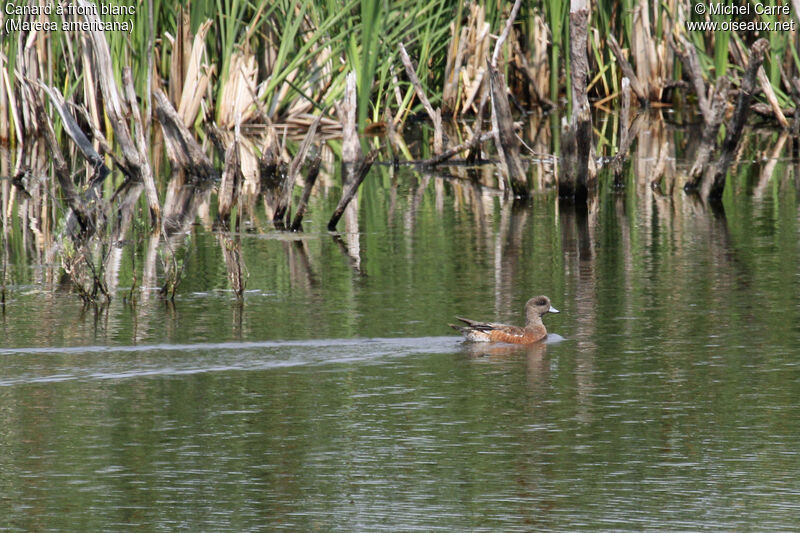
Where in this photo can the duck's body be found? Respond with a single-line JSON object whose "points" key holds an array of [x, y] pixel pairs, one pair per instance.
{"points": [[534, 329]]}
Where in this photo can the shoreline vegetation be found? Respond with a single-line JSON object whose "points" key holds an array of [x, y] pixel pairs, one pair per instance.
{"points": [[251, 101]]}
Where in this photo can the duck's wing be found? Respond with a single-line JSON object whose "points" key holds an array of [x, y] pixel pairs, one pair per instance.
{"points": [[493, 332], [482, 326]]}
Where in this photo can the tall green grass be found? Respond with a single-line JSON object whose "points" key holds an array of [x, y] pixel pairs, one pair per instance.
{"points": [[557, 12], [364, 35]]}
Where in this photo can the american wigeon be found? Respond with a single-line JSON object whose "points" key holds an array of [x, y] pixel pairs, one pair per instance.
{"points": [[534, 330]]}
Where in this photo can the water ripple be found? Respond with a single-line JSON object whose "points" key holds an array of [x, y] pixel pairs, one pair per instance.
{"points": [[37, 365]]}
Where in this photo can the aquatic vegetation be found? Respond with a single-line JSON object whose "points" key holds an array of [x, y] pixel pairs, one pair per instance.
{"points": [[225, 90], [282, 60]]}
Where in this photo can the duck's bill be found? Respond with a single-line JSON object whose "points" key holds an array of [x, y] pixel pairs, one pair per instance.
{"points": [[553, 310]]}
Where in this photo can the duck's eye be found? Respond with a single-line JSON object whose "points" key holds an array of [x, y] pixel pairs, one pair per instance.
{"points": [[541, 301]]}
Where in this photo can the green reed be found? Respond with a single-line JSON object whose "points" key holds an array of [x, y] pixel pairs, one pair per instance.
{"points": [[557, 12], [313, 40]]}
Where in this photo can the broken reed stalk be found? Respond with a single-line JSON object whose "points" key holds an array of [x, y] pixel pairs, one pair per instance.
{"points": [[475, 151], [145, 172], [311, 179], [92, 198], [579, 175], [624, 133], [350, 189], [285, 199], [134, 154], [231, 178], [506, 138], [85, 207], [627, 70], [691, 63], [502, 120], [470, 144], [506, 29], [192, 176], [412, 76], [714, 180], [270, 150], [183, 150], [626, 110], [438, 134], [105, 146], [351, 145], [115, 107], [766, 86], [769, 93], [712, 119], [76, 134], [712, 108], [70, 193], [435, 116], [271, 168]]}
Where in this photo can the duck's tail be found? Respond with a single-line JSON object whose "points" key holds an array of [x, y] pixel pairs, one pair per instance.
{"points": [[461, 329]]}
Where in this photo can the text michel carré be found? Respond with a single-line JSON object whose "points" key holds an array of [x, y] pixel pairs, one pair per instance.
{"points": [[70, 9], [747, 9]]}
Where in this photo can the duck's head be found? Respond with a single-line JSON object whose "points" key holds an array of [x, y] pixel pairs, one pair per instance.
{"points": [[538, 306]]}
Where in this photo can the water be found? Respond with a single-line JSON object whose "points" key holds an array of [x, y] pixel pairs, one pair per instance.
{"points": [[336, 398]]}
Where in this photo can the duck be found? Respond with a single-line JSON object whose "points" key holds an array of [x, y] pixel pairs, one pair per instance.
{"points": [[534, 330]]}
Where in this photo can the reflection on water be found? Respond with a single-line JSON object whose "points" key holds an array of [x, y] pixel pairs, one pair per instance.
{"points": [[336, 398]]}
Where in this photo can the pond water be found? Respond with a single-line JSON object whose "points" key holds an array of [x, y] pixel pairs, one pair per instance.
{"points": [[336, 398]]}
